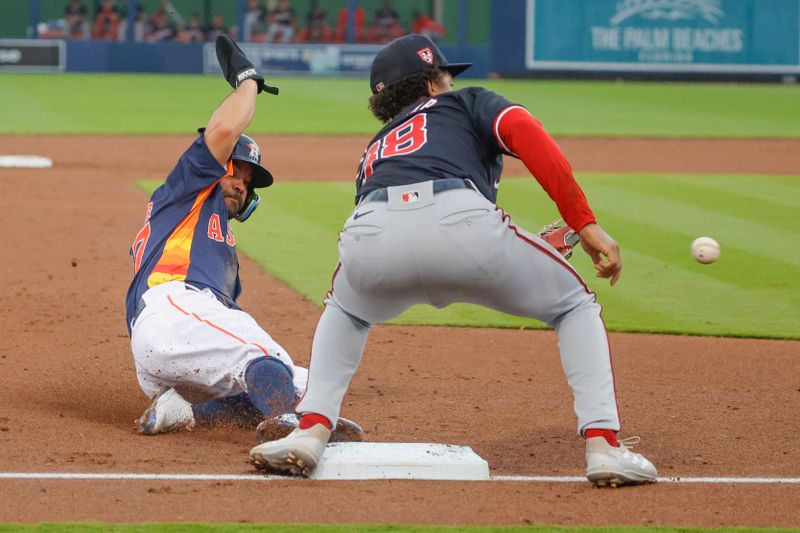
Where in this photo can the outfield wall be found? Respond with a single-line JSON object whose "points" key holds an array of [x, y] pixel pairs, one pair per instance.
{"points": [[26, 55], [736, 37], [671, 38]]}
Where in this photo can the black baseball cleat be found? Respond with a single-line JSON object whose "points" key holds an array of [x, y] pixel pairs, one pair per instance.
{"points": [[280, 426]]}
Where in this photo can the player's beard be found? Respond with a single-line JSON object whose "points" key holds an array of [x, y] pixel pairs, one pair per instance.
{"points": [[236, 201]]}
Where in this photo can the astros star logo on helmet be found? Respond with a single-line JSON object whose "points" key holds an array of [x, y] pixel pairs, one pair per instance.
{"points": [[253, 150], [426, 55]]}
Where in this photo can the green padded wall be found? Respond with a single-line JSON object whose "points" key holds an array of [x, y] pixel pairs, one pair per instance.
{"points": [[15, 14]]}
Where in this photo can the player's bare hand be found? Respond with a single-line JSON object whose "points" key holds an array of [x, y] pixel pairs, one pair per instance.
{"points": [[603, 250]]}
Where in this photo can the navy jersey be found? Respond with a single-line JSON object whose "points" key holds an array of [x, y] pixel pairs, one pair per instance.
{"points": [[187, 235], [449, 135]]}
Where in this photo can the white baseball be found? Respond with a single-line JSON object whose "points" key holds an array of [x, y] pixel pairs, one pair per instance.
{"points": [[705, 250]]}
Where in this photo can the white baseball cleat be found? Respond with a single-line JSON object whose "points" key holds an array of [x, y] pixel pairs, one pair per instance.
{"points": [[168, 412], [298, 453], [613, 467]]}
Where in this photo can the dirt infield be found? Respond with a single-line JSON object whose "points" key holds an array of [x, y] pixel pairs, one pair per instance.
{"points": [[704, 407]]}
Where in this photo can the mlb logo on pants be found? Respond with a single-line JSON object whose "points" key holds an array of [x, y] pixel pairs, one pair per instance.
{"points": [[409, 197]]}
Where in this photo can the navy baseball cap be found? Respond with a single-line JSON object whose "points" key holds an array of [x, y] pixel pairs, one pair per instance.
{"points": [[405, 56]]}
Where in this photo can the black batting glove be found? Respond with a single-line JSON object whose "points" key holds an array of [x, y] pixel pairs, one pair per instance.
{"points": [[236, 67]]}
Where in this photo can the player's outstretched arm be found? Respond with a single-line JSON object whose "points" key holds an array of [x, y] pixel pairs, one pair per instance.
{"points": [[603, 250], [230, 119], [525, 138]]}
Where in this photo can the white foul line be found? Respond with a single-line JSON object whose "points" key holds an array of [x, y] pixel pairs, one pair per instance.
{"points": [[254, 477], [732, 480], [155, 477]]}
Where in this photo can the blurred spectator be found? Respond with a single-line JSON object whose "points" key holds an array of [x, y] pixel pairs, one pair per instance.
{"points": [[193, 32], [282, 23], [159, 28], [139, 25], [424, 25], [341, 26], [386, 26], [51, 29], [217, 28], [76, 20], [106, 22], [317, 29], [255, 22]]}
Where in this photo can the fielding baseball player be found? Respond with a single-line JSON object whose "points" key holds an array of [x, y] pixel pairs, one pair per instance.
{"points": [[198, 355], [426, 230]]}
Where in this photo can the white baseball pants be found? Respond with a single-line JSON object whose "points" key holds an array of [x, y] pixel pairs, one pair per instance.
{"points": [[187, 339]]}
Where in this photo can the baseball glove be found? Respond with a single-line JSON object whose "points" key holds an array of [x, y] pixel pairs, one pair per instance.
{"points": [[561, 237], [236, 67]]}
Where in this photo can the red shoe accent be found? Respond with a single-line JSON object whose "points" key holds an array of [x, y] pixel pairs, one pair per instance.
{"points": [[609, 434], [312, 419]]}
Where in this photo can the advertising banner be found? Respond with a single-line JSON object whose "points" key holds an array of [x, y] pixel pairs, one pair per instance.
{"points": [[723, 36], [24, 55], [283, 59]]}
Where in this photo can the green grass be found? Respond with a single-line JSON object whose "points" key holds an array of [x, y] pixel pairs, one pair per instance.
{"points": [[165, 104], [354, 528], [752, 291]]}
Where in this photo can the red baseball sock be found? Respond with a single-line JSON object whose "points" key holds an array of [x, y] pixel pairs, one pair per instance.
{"points": [[311, 419], [609, 434]]}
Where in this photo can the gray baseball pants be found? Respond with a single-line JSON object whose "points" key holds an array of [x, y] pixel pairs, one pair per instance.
{"points": [[454, 246]]}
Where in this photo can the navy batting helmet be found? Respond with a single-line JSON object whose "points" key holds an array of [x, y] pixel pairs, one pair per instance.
{"points": [[246, 149]]}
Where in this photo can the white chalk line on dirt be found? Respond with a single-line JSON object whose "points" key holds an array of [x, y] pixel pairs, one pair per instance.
{"points": [[252, 477], [732, 480]]}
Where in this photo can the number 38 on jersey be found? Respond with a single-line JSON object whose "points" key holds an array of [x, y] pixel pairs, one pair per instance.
{"points": [[404, 139]]}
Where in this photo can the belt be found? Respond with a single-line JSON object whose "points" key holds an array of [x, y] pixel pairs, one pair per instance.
{"points": [[140, 305], [440, 185]]}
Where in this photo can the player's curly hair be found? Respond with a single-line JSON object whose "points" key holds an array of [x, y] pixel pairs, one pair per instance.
{"points": [[390, 101]]}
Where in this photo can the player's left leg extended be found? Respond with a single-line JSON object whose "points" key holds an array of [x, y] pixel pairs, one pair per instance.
{"points": [[531, 279]]}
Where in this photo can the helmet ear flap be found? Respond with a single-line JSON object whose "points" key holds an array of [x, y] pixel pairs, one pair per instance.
{"points": [[250, 205]]}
